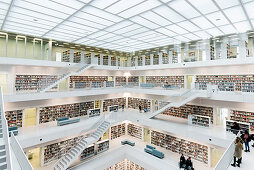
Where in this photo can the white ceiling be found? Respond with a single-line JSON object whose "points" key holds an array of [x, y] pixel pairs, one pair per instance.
{"points": [[126, 25]]}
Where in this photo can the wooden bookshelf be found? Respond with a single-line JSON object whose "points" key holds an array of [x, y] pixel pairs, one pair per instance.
{"points": [[243, 116], [56, 150], [105, 60], [135, 131], [113, 61], [147, 60], [52, 113], [118, 166], [184, 111], [243, 126], [196, 151], [140, 60], [14, 118], [135, 102], [102, 146], [117, 131], [159, 81], [174, 57], [112, 102], [33, 82]]}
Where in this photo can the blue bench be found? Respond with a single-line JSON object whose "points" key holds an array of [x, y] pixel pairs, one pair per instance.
{"points": [[68, 121], [154, 152], [14, 130], [127, 142], [150, 147], [62, 118], [146, 85]]}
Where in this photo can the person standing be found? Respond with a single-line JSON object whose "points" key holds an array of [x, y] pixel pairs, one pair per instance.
{"points": [[235, 128], [189, 165], [182, 161], [140, 108], [238, 152], [246, 138], [122, 107]]}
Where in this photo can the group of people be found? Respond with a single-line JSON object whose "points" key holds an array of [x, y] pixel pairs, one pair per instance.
{"points": [[140, 109], [245, 139], [186, 164]]}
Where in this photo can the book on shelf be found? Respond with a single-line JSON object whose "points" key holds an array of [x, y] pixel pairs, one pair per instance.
{"points": [[117, 131], [112, 102], [243, 126], [134, 103], [14, 118], [135, 131], [243, 116], [94, 112], [198, 120], [159, 81]]}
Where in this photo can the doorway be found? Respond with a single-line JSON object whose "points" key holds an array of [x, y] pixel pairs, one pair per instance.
{"points": [[190, 80], [222, 114], [34, 157], [30, 117], [146, 135]]}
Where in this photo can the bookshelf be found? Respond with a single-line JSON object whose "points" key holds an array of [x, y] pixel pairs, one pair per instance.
{"points": [[102, 146], [165, 58], [133, 80], [212, 53], [33, 82], [88, 152], [155, 59], [125, 165], [242, 83], [174, 57], [87, 81], [56, 150], [118, 166], [113, 61], [184, 111], [112, 102], [140, 60], [66, 56], [159, 81], [14, 118], [135, 131], [113, 108], [196, 151], [105, 60], [110, 83], [77, 57], [88, 58], [94, 112], [198, 120], [120, 80], [243, 126], [132, 61], [147, 60], [117, 131], [243, 116], [52, 113], [135, 102]]}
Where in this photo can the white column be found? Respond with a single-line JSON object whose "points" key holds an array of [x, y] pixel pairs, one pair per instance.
{"points": [[170, 57], [50, 50], [224, 48], [37, 116], [94, 60], [117, 60], [207, 49], [71, 56], [128, 61], [109, 60], [151, 59], [143, 60], [242, 45], [136, 60], [101, 59], [160, 59], [82, 57]]}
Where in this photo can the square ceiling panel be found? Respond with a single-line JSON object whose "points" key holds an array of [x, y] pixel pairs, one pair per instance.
{"points": [[126, 24]]}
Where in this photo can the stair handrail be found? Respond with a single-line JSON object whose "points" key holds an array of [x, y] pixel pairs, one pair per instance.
{"points": [[61, 73], [98, 123], [5, 132]]}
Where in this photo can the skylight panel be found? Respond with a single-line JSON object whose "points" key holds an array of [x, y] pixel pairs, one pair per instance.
{"points": [[235, 14], [114, 38], [228, 29], [242, 26], [155, 18], [82, 40], [202, 22], [93, 18], [15, 29], [46, 11], [119, 26], [204, 6], [166, 32], [4, 6], [100, 13], [137, 31], [184, 8], [144, 34], [177, 29], [191, 36], [227, 3], [127, 29], [86, 22], [68, 32], [214, 32], [70, 3], [202, 34], [102, 4], [69, 28], [145, 22], [189, 26], [169, 14], [97, 34], [122, 5], [218, 19], [249, 9], [23, 26], [80, 26], [181, 38], [145, 6], [106, 36]]}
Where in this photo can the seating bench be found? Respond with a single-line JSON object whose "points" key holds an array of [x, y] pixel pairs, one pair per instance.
{"points": [[128, 142], [68, 121], [146, 85], [62, 118], [14, 130], [149, 149]]}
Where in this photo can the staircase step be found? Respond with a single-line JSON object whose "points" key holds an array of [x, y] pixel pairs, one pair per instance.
{"points": [[2, 152], [72, 153], [61, 164], [2, 159]]}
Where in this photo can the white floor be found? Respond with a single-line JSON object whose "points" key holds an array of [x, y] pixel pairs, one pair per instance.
{"points": [[247, 161]]}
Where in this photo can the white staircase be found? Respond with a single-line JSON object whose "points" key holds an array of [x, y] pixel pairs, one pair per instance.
{"points": [[65, 161], [65, 76], [188, 96]]}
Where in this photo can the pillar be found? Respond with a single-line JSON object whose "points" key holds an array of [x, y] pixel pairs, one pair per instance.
{"points": [[136, 61], [50, 50], [160, 59], [170, 57], [224, 48], [129, 61], [94, 60], [151, 59], [207, 49], [109, 60], [243, 45], [71, 56], [117, 60], [143, 60], [82, 57], [101, 59]]}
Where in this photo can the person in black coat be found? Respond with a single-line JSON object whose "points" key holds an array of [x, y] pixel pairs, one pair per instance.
{"points": [[189, 165], [235, 128], [182, 161]]}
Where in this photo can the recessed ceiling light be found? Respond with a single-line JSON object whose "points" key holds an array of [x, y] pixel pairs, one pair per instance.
{"points": [[88, 47], [72, 47]]}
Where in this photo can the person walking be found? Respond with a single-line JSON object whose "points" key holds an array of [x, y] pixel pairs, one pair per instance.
{"points": [[246, 138], [238, 152]]}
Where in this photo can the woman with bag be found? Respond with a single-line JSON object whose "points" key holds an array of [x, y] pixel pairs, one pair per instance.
{"points": [[238, 152], [247, 139]]}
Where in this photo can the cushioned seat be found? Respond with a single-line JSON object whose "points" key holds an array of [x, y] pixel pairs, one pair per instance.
{"points": [[146, 85], [14, 130], [62, 118], [69, 121], [150, 147], [127, 142]]}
